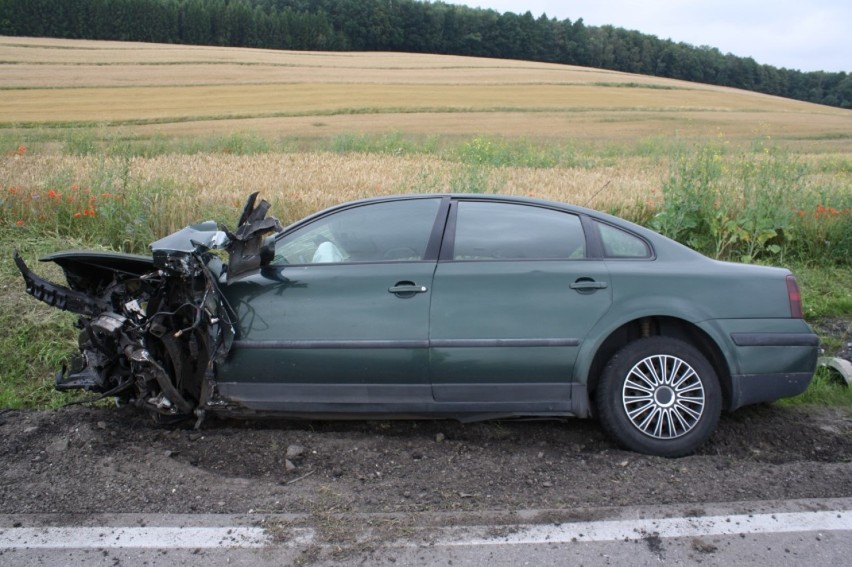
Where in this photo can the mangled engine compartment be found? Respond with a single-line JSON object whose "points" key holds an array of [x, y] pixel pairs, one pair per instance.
{"points": [[152, 329]]}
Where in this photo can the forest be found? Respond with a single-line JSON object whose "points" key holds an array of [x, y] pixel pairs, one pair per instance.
{"points": [[416, 27]]}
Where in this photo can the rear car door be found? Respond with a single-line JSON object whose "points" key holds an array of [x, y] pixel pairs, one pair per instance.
{"points": [[339, 320], [513, 297]]}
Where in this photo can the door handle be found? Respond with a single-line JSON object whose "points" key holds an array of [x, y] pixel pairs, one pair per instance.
{"points": [[588, 285], [407, 289]]}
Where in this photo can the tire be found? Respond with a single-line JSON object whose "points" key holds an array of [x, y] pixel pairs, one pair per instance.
{"points": [[659, 396]]}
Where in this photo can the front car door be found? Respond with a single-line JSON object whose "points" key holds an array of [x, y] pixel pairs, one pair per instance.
{"points": [[339, 320], [514, 295]]}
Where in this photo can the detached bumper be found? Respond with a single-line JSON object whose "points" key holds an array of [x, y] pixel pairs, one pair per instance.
{"points": [[59, 296]]}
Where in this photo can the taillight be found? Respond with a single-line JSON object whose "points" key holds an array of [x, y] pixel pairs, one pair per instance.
{"points": [[795, 297]]}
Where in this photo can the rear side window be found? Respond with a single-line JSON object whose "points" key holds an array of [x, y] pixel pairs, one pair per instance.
{"points": [[508, 231], [395, 231], [621, 244]]}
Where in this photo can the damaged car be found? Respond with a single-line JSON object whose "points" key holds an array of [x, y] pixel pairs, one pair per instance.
{"points": [[468, 307]]}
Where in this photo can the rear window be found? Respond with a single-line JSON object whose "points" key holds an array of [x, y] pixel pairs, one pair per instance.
{"points": [[618, 243]]}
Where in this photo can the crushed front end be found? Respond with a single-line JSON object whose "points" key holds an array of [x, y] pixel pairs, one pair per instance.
{"points": [[152, 329]]}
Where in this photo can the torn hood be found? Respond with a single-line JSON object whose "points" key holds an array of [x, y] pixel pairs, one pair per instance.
{"points": [[246, 250]]}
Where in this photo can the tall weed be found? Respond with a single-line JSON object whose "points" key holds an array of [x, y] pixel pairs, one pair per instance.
{"points": [[754, 205]]}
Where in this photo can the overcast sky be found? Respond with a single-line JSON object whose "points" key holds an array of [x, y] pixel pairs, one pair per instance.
{"points": [[811, 35]]}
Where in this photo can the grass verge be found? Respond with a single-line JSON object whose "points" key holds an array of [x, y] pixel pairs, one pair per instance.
{"points": [[35, 339]]}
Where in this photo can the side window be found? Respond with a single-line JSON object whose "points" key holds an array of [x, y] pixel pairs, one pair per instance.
{"points": [[396, 231], [507, 231], [620, 244]]}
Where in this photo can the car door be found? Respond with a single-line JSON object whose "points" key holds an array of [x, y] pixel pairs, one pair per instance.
{"points": [[514, 295], [339, 319]]}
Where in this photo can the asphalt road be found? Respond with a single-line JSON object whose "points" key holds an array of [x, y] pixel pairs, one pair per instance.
{"points": [[816, 532]]}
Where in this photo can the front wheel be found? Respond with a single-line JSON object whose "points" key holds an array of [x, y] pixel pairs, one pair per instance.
{"points": [[659, 396]]}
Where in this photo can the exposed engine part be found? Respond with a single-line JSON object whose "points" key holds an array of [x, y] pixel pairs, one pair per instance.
{"points": [[152, 329]]}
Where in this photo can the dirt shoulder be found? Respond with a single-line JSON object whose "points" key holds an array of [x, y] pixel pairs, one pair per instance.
{"points": [[83, 460]]}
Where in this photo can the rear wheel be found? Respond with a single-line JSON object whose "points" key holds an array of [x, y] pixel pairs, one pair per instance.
{"points": [[659, 396]]}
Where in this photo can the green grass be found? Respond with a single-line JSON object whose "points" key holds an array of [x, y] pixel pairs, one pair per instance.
{"points": [[826, 290], [826, 389], [493, 151], [35, 339], [394, 143], [496, 152], [88, 141]]}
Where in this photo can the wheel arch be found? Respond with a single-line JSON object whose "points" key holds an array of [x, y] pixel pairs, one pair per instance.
{"points": [[666, 326]]}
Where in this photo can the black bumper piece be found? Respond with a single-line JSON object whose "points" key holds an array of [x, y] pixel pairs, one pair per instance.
{"points": [[59, 296]]}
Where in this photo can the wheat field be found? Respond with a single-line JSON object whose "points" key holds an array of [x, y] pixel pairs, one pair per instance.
{"points": [[193, 90], [51, 89]]}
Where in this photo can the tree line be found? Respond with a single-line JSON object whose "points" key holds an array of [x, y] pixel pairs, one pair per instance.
{"points": [[411, 26]]}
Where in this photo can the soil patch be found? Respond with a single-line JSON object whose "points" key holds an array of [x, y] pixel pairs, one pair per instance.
{"points": [[95, 460]]}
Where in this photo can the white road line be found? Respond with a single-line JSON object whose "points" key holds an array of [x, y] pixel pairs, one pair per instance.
{"points": [[453, 536], [620, 530], [149, 537]]}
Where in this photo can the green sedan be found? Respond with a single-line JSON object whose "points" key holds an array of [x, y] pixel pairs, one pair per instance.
{"points": [[439, 306]]}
